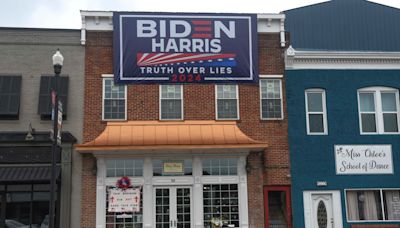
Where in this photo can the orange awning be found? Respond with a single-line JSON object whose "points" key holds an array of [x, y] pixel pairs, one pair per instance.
{"points": [[165, 135]]}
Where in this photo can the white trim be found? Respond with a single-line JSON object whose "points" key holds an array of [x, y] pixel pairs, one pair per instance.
{"points": [[160, 98], [281, 98], [195, 181], [336, 206], [379, 123], [237, 102], [382, 204], [270, 76], [297, 59], [108, 77], [324, 112]]}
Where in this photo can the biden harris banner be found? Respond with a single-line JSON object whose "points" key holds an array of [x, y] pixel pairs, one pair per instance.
{"points": [[185, 48]]}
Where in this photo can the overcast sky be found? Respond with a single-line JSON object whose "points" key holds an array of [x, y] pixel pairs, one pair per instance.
{"points": [[66, 13]]}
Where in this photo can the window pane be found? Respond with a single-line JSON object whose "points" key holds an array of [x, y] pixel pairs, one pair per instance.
{"points": [[171, 109], [389, 102], [227, 109], [367, 102], [226, 91], [368, 122], [271, 108], [314, 102], [392, 204], [364, 205], [316, 122], [390, 122], [221, 201], [171, 91]]}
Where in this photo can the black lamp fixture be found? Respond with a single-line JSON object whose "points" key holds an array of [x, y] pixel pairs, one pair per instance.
{"points": [[58, 60]]}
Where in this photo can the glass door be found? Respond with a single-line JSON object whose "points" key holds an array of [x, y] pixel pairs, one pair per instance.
{"points": [[173, 207]]}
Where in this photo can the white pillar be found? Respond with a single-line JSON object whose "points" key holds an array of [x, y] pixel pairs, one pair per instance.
{"points": [[242, 188], [101, 194], [197, 193], [148, 204]]}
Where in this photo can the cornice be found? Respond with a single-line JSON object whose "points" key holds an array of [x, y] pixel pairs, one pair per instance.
{"points": [[300, 59]]}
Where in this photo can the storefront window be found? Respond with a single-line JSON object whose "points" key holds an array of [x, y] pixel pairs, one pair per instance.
{"points": [[220, 166], [124, 219], [221, 201], [124, 167], [172, 167], [372, 205], [26, 205]]}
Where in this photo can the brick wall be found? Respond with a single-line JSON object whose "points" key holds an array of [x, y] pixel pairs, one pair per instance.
{"points": [[268, 168]]}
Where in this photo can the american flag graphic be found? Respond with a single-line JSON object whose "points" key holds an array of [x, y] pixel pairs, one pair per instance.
{"points": [[191, 59]]}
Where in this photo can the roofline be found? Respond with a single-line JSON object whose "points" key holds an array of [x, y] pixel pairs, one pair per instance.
{"points": [[40, 29]]}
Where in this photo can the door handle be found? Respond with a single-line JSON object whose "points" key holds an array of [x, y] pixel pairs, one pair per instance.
{"points": [[175, 223], [171, 224]]}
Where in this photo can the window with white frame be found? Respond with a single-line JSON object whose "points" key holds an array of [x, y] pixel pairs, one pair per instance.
{"points": [[114, 100], [220, 166], [271, 98], [373, 205], [378, 110], [171, 102], [316, 112], [124, 167], [221, 201], [227, 105]]}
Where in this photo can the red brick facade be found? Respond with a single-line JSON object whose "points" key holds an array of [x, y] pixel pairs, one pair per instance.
{"points": [[270, 168]]}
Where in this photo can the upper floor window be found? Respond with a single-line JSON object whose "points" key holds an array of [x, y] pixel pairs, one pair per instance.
{"points": [[271, 98], [171, 102], [10, 89], [378, 110], [47, 84], [316, 112], [227, 105], [114, 100]]}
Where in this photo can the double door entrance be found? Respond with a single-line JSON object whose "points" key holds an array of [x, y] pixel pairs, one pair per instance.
{"points": [[173, 207]]}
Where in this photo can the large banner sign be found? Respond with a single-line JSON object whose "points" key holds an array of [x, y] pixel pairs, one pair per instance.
{"points": [[185, 48]]}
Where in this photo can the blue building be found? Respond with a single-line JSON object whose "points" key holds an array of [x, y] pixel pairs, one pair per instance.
{"points": [[342, 86]]}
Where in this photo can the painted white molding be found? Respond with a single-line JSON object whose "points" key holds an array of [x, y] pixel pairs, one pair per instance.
{"points": [[299, 59], [102, 21], [101, 194]]}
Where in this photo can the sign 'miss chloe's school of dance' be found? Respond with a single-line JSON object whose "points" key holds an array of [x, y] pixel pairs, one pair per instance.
{"points": [[185, 48]]}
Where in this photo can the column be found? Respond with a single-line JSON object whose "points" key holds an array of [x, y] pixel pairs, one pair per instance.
{"points": [[148, 204], [101, 194], [197, 198]]}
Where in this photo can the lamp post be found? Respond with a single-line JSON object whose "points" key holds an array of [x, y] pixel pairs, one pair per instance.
{"points": [[57, 64]]}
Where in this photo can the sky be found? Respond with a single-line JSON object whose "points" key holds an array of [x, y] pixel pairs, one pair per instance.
{"points": [[65, 14]]}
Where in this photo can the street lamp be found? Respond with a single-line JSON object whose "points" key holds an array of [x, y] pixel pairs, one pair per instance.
{"points": [[57, 64]]}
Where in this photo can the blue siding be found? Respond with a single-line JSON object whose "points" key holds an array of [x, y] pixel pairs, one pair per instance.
{"points": [[312, 157], [350, 25]]}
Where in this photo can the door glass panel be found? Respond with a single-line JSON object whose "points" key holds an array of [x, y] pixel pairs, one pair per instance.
{"points": [[277, 209], [162, 208], [322, 215], [183, 207]]}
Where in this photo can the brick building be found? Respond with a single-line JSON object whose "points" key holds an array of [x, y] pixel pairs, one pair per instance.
{"points": [[196, 151]]}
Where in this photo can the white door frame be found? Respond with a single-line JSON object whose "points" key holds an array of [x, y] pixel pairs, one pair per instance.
{"points": [[173, 203], [336, 208]]}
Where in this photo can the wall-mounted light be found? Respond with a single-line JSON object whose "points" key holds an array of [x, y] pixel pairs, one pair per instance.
{"points": [[322, 183], [29, 136]]}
